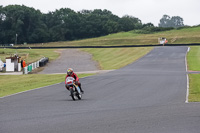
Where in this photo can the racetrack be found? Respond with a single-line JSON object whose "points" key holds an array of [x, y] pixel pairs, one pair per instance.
{"points": [[71, 58], [147, 96]]}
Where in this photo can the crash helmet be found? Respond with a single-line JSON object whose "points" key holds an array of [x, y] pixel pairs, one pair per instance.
{"points": [[69, 71]]}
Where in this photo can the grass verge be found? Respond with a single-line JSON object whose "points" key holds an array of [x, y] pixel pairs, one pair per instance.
{"points": [[176, 36], [194, 95], [11, 84], [193, 59], [31, 55], [115, 58], [108, 58]]}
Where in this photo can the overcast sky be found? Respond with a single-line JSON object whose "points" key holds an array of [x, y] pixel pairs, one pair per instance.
{"points": [[146, 10]]}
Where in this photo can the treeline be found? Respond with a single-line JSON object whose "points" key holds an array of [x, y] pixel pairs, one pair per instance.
{"points": [[21, 24]]}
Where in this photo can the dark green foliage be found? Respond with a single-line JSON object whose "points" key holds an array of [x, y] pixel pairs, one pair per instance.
{"points": [[128, 23], [20, 24], [149, 28], [21, 20]]}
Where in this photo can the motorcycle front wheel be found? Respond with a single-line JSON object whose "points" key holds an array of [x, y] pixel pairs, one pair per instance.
{"points": [[72, 94], [79, 96]]}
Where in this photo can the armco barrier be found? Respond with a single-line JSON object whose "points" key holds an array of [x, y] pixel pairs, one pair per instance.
{"points": [[33, 67], [122, 46], [25, 70], [43, 62], [30, 68], [38, 63], [35, 64]]}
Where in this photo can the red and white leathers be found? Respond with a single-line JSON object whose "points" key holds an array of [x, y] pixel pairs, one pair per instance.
{"points": [[76, 80], [74, 76]]}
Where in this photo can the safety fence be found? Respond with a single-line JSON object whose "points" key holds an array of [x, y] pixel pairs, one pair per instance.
{"points": [[40, 63]]}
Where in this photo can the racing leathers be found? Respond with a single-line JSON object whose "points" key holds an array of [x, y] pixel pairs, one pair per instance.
{"points": [[76, 81]]}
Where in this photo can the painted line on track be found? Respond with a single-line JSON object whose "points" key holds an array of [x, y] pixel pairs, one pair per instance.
{"points": [[100, 71], [29, 90], [34, 89], [187, 92]]}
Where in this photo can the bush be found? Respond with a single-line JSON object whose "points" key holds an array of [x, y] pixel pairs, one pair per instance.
{"points": [[179, 28], [149, 30], [2, 52]]}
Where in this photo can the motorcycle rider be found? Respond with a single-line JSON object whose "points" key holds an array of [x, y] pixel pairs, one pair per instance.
{"points": [[70, 73]]}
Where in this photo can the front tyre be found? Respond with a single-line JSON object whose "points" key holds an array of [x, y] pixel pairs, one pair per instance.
{"points": [[79, 96], [72, 94]]}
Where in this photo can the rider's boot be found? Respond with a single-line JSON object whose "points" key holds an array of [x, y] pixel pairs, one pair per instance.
{"points": [[80, 88]]}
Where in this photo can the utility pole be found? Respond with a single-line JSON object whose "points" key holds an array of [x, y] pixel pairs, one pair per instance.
{"points": [[16, 39]]}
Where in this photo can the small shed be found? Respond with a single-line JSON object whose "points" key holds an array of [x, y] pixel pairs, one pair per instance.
{"points": [[162, 41], [13, 64], [1, 65]]}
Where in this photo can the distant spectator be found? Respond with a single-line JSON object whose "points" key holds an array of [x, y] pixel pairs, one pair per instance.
{"points": [[166, 41], [24, 64]]}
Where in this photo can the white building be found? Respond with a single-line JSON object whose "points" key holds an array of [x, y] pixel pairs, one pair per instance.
{"points": [[13, 64], [1, 65]]}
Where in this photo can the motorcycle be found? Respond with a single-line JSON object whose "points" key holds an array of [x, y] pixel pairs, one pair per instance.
{"points": [[74, 89]]}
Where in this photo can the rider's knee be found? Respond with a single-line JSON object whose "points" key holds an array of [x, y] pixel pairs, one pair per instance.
{"points": [[67, 87]]}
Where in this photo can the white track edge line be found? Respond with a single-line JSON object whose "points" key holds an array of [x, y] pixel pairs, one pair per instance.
{"points": [[29, 90], [187, 93], [33, 89]]}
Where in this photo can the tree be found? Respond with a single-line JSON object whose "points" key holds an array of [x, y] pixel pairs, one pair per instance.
{"points": [[128, 23], [167, 21], [2, 19], [64, 24], [177, 21], [97, 23], [23, 21], [147, 25]]}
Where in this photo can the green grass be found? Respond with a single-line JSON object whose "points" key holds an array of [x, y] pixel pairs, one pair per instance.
{"points": [[110, 58], [193, 58], [11, 84], [31, 55], [194, 90], [182, 36], [176, 36], [115, 58]]}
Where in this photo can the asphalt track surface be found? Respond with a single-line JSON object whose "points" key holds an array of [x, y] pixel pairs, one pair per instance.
{"points": [[71, 58], [147, 96]]}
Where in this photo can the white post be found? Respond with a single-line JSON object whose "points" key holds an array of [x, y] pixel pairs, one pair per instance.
{"points": [[19, 67], [25, 70]]}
